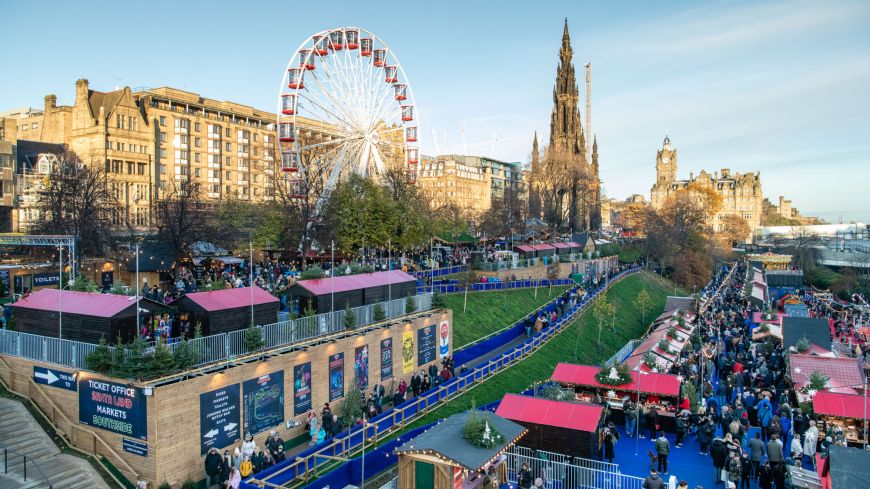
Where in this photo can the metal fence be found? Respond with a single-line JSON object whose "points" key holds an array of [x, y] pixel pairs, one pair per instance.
{"points": [[521, 452], [392, 484], [571, 476], [440, 272], [454, 286], [623, 352], [214, 348], [19, 466]]}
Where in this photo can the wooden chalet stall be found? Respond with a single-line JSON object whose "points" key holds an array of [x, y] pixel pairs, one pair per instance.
{"points": [[661, 391], [440, 458], [562, 248], [223, 311], [817, 332], [569, 428], [544, 249], [87, 316], [526, 252], [353, 290], [842, 411]]}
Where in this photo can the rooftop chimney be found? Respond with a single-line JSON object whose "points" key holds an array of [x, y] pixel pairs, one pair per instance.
{"points": [[50, 101]]}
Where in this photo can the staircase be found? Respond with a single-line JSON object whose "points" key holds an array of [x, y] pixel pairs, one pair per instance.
{"points": [[21, 436]]}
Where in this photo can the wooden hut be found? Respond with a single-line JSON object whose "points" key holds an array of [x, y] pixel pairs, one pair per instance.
{"points": [[563, 248], [526, 251], [570, 428], [440, 458], [816, 330], [223, 311], [353, 290], [86, 316], [544, 249]]}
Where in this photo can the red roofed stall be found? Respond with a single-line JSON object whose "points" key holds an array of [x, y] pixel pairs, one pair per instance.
{"points": [[659, 390], [570, 428], [87, 316], [562, 248], [544, 249], [846, 411], [526, 251], [224, 311], [353, 290]]}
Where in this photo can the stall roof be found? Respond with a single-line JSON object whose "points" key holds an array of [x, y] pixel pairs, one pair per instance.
{"points": [[446, 439], [217, 300], [843, 405], [542, 246], [816, 330], [848, 468], [841, 372], [664, 384], [574, 244], [321, 286], [562, 245], [673, 303], [570, 415], [525, 248], [84, 303]]}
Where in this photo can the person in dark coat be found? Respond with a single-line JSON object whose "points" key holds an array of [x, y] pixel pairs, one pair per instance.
{"points": [[524, 477], [705, 435], [226, 467], [337, 426], [416, 381], [213, 466], [653, 481], [652, 421], [745, 471], [765, 476], [719, 453], [608, 447]]}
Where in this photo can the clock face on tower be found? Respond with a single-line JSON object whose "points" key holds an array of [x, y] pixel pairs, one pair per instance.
{"points": [[666, 159]]}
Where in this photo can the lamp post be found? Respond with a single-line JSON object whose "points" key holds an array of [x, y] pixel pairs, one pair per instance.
{"points": [[251, 273], [637, 412], [332, 278], [60, 295], [138, 324], [362, 483]]}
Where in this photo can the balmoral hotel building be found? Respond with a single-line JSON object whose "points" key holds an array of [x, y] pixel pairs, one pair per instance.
{"points": [[149, 140]]}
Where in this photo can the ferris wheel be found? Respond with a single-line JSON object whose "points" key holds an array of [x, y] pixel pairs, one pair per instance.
{"points": [[345, 106]]}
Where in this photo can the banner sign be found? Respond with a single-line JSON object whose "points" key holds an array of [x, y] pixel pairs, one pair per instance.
{"points": [[113, 407], [55, 378], [301, 388], [425, 345], [443, 339], [336, 376], [45, 279], [407, 352], [135, 446], [361, 366], [219, 418], [386, 359], [264, 402]]}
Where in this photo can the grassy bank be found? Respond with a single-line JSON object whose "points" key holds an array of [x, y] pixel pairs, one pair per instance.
{"points": [[487, 312], [577, 344]]}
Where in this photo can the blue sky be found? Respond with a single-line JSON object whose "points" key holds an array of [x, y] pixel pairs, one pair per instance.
{"points": [[782, 87]]}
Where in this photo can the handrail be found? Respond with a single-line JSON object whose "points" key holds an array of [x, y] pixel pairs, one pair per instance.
{"points": [[6, 451], [73, 426], [423, 403]]}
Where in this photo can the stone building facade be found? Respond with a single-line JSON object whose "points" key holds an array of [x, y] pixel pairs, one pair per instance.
{"points": [[152, 140], [741, 193], [578, 193], [456, 179]]}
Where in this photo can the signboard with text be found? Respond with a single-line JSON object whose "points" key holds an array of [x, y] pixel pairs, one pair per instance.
{"points": [[54, 378], [135, 447], [301, 388], [113, 407], [336, 376], [264, 402], [426, 345], [361, 366], [386, 359], [45, 279], [219, 418]]}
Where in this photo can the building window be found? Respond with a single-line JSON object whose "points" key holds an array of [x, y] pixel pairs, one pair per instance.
{"points": [[229, 147], [196, 142], [196, 126], [228, 175], [196, 172], [163, 169], [163, 121], [228, 132], [196, 157], [132, 123], [140, 168], [162, 152], [162, 137]]}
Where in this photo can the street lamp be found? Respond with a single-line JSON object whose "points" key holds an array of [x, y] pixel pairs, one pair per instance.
{"points": [[637, 411], [362, 484]]}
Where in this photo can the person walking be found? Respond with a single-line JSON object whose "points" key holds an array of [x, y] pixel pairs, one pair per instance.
{"points": [[609, 442], [774, 452], [756, 450], [811, 439], [765, 476], [663, 449], [745, 471], [653, 481], [765, 413], [719, 453], [735, 467], [524, 477], [213, 466]]}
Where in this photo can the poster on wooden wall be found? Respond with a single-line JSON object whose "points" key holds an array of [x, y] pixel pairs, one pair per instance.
{"points": [[386, 359], [301, 388], [113, 407], [264, 402], [426, 345], [219, 418], [407, 352], [361, 366], [336, 376], [443, 339]]}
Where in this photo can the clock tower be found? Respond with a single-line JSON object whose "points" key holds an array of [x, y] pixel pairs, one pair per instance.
{"points": [[666, 163]]}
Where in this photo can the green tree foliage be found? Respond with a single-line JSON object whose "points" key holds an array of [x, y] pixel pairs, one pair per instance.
{"points": [[378, 312], [254, 341], [644, 303], [311, 272], [353, 404], [349, 317], [100, 360], [136, 363], [603, 312], [84, 284], [184, 355], [309, 310], [118, 289], [679, 240], [160, 361], [410, 305]]}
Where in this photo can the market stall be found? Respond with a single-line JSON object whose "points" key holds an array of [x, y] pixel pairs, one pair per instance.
{"points": [[812, 372], [569, 428], [660, 391], [846, 412], [444, 458]]}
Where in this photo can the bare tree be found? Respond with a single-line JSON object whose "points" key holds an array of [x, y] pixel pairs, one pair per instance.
{"points": [[183, 217], [76, 199]]}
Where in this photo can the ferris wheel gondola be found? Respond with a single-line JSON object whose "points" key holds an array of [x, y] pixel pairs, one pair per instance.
{"points": [[345, 106]]}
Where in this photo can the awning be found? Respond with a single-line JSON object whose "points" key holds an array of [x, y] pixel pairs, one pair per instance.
{"points": [[662, 384], [536, 410], [842, 405]]}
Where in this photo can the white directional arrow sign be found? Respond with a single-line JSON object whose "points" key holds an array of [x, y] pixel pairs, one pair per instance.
{"points": [[211, 433], [48, 376], [230, 426]]}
